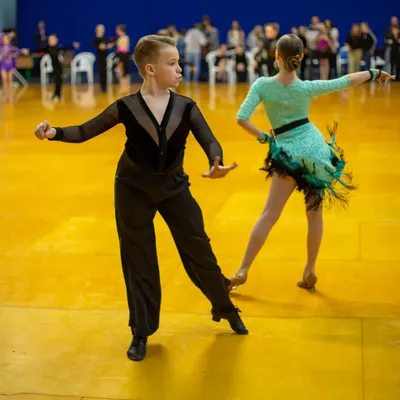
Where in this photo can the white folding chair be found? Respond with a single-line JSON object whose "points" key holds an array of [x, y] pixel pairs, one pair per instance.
{"points": [[46, 68], [83, 63]]}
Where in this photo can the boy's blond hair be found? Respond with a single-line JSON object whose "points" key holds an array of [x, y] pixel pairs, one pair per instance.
{"points": [[148, 48]]}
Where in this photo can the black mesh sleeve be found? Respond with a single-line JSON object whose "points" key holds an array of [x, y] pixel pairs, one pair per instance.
{"points": [[204, 136], [88, 130]]}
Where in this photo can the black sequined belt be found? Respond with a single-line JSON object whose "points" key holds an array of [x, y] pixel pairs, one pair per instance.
{"points": [[292, 125]]}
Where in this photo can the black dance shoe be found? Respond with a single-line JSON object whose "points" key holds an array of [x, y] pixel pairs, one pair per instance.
{"points": [[233, 318], [137, 349]]}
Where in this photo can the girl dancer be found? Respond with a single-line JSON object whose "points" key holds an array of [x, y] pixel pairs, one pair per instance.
{"points": [[150, 178], [124, 59], [298, 156], [7, 63], [325, 46]]}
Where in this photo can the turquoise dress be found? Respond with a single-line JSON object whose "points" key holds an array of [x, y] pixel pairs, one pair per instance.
{"points": [[318, 167]]}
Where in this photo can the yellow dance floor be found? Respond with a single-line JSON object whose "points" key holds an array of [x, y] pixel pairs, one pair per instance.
{"points": [[63, 310]]}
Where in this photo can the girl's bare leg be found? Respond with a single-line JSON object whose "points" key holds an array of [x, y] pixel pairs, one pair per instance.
{"points": [[10, 76], [324, 68], [4, 80], [314, 239], [280, 191]]}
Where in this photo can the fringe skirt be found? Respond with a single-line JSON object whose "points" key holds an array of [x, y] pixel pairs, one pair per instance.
{"points": [[317, 166]]}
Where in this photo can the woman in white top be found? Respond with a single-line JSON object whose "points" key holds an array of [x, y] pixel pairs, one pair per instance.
{"points": [[235, 36], [253, 36]]}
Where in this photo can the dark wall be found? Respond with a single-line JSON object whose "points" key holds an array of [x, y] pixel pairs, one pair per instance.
{"points": [[75, 19]]}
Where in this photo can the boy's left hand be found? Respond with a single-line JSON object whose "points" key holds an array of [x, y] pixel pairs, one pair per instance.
{"points": [[218, 171]]}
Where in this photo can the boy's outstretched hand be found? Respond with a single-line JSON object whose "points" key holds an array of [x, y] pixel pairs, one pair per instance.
{"points": [[218, 171], [45, 131]]}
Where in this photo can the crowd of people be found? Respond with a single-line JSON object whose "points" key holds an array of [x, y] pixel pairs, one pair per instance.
{"points": [[321, 41]]}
